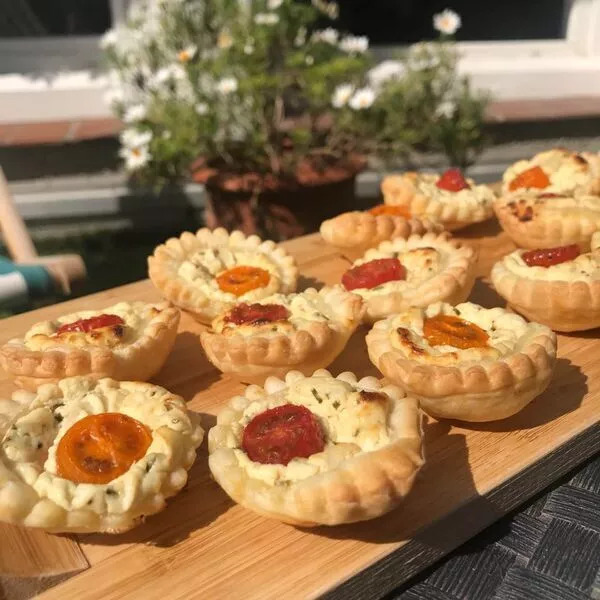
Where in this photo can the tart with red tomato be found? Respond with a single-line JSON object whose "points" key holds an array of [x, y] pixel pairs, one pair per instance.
{"points": [[87, 455], [130, 340], [210, 271], [318, 450], [450, 198], [414, 272], [555, 171], [464, 362], [304, 331], [559, 287], [355, 232], [548, 219]]}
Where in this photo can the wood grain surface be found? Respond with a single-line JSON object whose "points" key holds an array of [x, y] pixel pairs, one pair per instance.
{"points": [[204, 546]]}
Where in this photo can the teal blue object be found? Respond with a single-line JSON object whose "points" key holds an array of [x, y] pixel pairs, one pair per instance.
{"points": [[38, 280]]}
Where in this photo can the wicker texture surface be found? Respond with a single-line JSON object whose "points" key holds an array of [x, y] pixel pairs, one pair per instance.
{"points": [[549, 550]]}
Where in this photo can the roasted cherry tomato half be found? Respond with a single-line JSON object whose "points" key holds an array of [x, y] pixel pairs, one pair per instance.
{"points": [[448, 330], [242, 279], [452, 180], [374, 273], [255, 314], [547, 257], [86, 325], [531, 178]]}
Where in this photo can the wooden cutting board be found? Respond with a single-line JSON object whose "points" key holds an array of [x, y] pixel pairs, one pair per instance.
{"points": [[204, 546]]}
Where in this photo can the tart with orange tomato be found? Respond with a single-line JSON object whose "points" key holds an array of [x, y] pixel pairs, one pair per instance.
{"points": [[555, 171], [559, 287], [464, 362], [87, 455], [413, 272], [450, 198], [304, 331], [355, 232], [130, 340], [210, 271], [318, 450]]}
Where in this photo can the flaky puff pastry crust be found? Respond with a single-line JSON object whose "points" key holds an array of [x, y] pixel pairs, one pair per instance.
{"points": [[355, 232], [565, 297], [350, 480], [451, 278], [569, 172], [534, 220], [33, 495], [204, 300], [418, 192], [319, 326], [136, 351], [475, 384]]}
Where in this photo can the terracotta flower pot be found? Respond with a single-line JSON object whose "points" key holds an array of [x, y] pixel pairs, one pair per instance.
{"points": [[275, 209]]}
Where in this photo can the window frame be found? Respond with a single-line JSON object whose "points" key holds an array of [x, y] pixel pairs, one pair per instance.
{"points": [[35, 90]]}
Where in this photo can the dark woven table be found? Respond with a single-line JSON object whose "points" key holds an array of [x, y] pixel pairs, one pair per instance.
{"points": [[548, 550]]}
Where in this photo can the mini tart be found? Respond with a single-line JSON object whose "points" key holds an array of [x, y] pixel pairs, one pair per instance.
{"points": [[512, 365], [33, 494], [437, 269], [315, 330], [565, 297], [355, 232], [185, 270], [372, 450], [420, 194], [135, 349], [534, 220], [564, 172]]}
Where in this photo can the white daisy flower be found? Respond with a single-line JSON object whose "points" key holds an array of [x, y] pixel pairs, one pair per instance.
{"points": [[133, 138], [201, 108], [274, 4], [385, 71], [445, 109], [447, 22], [355, 44], [135, 113], [135, 158], [309, 60], [421, 57], [329, 36], [187, 53], [362, 98], [227, 85], [109, 39], [341, 95], [248, 49], [173, 72], [266, 18]]}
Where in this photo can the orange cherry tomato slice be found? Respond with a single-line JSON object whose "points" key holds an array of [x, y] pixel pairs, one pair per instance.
{"points": [[452, 180], [281, 434], [393, 210], [448, 330], [531, 178], [374, 273], [243, 279], [99, 448], [86, 325], [550, 256]]}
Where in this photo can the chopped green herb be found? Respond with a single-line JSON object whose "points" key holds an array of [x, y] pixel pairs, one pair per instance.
{"points": [[316, 395], [111, 492], [336, 404]]}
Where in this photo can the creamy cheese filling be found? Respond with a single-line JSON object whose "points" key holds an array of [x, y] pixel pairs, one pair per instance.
{"points": [[30, 445], [584, 267], [503, 328], [201, 268], [476, 196], [137, 316], [350, 424]]}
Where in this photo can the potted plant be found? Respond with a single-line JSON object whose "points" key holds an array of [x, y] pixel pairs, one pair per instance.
{"points": [[258, 100]]}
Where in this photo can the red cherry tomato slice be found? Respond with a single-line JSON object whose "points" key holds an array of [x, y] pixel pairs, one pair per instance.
{"points": [[374, 273], [550, 256], [281, 434], [85, 325], [256, 314], [452, 180]]}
